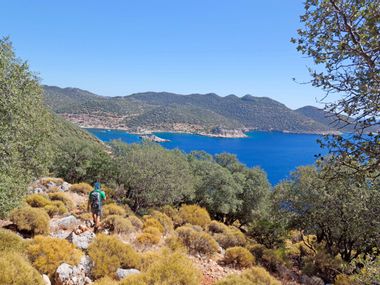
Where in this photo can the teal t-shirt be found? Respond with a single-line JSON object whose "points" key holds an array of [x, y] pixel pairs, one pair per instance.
{"points": [[102, 195]]}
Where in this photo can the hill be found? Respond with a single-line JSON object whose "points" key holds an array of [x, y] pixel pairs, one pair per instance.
{"points": [[165, 111]]}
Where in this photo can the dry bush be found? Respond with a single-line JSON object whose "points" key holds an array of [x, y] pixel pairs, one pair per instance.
{"points": [[257, 250], [230, 238], [37, 200], [151, 235], [152, 222], [172, 268], [109, 253], [15, 270], [135, 279], [55, 208], [136, 222], [164, 220], [343, 279], [273, 259], [148, 258], [81, 188], [174, 243], [173, 214], [197, 242], [86, 216], [253, 276], [194, 215], [10, 241], [106, 281], [30, 219], [216, 227], [118, 224], [47, 253], [238, 257], [46, 180], [64, 198], [113, 209]]}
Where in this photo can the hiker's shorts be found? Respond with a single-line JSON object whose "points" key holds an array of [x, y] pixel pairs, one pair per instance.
{"points": [[97, 212]]}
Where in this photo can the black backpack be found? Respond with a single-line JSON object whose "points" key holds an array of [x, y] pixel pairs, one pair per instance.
{"points": [[95, 200]]}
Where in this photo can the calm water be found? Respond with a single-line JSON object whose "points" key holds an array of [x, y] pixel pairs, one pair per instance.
{"points": [[275, 152]]}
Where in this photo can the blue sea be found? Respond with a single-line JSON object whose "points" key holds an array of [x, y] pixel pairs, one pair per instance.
{"points": [[275, 152]]}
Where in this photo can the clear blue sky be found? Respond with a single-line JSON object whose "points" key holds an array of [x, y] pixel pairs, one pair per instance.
{"points": [[120, 47]]}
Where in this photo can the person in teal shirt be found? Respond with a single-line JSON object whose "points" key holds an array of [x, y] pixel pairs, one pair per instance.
{"points": [[95, 202]]}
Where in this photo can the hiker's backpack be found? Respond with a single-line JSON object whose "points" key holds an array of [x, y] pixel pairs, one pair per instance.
{"points": [[95, 199]]}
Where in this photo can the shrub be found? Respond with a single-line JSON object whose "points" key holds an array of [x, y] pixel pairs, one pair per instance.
{"points": [[273, 259], [342, 279], [118, 224], [46, 180], [148, 258], [253, 276], [109, 253], [136, 222], [152, 222], [164, 220], [86, 216], [113, 209], [150, 235], [230, 238], [16, 270], [217, 227], [173, 214], [55, 208], [238, 257], [197, 242], [134, 279], [64, 198], [37, 200], [174, 243], [47, 253], [194, 215], [257, 250], [173, 268], [81, 188], [31, 219], [106, 281], [9, 241]]}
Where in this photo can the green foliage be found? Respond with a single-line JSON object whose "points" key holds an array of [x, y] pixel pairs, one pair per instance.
{"points": [[141, 167], [37, 200], [194, 215], [217, 227], [230, 237], [197, 241], [48, 253], [269, 231], [10, 241], [109, 253], [253, 276], [238, 257], [31, 219], [118, 224], [16, 270]]}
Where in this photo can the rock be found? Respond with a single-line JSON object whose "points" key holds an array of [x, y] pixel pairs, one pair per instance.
{"points": [[311, 280], [38, 190], [122, 273], [67, 274], [65, 223], [46, 279], [60, 234], [65, 186], [82, 240]]}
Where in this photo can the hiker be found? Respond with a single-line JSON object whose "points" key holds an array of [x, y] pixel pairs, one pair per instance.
{"points": [[95, 200]]}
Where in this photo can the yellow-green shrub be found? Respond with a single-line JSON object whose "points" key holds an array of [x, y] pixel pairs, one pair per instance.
{"points": [[134, 279], [194, 215], [173, 214], [46, 180], [81, 188], [174, 243], [86, 216], [152, 222], [109, 253], [230, 237], [273, 259], [62, 197], [148, 258], [164, 220], [55, 208], [11, 241], [30, 219], [217, 227], [113, 209], [151, 235], [343, 279], [238, 257], [37, 200], [173, 268], [118, 224], [253, 276], [47, 253], [15, 270], [106, 281], [257, 250], [197, 242], [136, 222]]}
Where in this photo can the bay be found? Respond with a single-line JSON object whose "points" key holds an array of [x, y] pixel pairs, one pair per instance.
{"points": [[275, 152]]}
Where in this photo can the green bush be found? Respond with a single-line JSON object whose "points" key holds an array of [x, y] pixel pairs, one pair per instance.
{"points": [[197, 242], [257, 250], [30, 219], [15, 270], [273, 259], [59, 196], [113, 209], [47, 253], [109, 253], [55, 208], [252, 276], [216, 227], [118, 224], [37, 200], [230, 237], [9, 241], [194, 215], [238, 257]]}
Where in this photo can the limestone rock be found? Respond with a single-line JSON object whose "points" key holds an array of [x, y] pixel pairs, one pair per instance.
{"points": [[122, 273], [65, 223], [46, 279], [67, 274], [82, 240]]}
